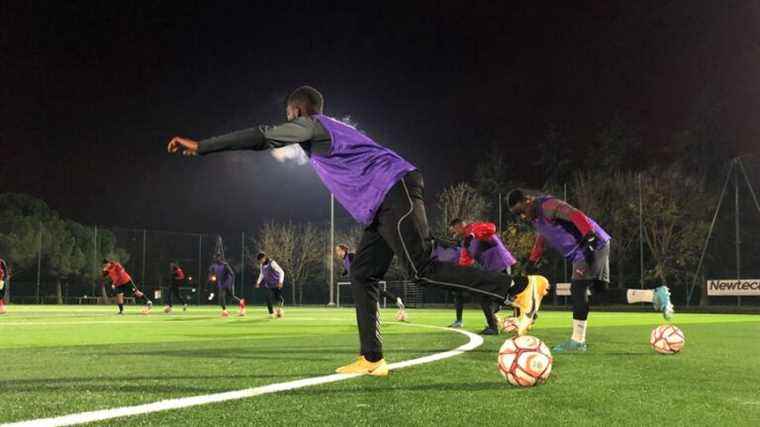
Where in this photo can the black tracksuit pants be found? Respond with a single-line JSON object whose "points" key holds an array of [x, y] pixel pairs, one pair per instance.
{"points": [[173, 294], [488, 306], [273, 297], [400, 228]]}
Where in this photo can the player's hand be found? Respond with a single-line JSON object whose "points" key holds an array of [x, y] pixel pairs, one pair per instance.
{"points": [[186, 146], [279, 286], [258, 286]]}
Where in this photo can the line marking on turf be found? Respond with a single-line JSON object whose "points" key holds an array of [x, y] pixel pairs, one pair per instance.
{"points": [[186, 402]]}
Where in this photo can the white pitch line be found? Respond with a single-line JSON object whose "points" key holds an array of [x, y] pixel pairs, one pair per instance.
{"points": [[186, 402]]}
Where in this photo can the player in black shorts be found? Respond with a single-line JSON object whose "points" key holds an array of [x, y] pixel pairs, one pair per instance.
{"points": [[177, 281]]}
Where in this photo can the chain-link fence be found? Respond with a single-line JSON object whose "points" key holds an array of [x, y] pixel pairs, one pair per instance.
{"points": [[69, 270], [660, 224]]}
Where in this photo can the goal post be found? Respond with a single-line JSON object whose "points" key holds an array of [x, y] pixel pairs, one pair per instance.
{"points": [[409, 292]]}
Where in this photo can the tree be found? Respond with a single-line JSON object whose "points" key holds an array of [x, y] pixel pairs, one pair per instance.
{"points": [[61, 255], [518, 238], [20, 219], [19, 244], [555, 161], [307, 258], [614, 148], [30, 229], [675, 222], [493, 177], [459, 201], [611, 198], [491, 173]]}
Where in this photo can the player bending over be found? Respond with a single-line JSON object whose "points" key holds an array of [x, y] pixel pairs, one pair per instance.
{"points": [[221, 274], [4, 277], [121, 283], [480, 244], [587, 247], [272, 278], [345, 254], [176, 282], [380, 190]]}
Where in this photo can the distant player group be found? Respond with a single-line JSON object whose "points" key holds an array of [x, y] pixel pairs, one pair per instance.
{"points": [[221, 278]]}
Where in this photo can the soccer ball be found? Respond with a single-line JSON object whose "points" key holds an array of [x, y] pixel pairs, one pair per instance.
{"points": [[667, 339], [525, 361]]}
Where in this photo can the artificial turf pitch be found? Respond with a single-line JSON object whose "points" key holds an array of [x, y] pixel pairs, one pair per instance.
{"points": [[59, 360]]}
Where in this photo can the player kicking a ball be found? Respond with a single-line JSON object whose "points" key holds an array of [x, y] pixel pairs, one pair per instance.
{"points": [[121, 283], [380, 190], [345, 254], [4, 278], [272, 277], [221, 274], [587, 246], [480, 244], [177, 280]]}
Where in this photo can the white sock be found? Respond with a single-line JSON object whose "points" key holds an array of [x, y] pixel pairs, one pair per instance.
{"points": [[640, 295], [579, 330]]}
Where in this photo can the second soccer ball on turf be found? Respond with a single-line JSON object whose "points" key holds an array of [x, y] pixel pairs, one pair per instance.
{"points": [[525, 361], [667, 339]]}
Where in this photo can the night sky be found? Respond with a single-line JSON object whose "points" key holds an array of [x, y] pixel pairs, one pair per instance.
{"points": [[91, 92]]}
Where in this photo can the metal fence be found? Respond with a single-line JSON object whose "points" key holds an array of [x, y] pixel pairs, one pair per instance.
{"points": [[732, 250]]}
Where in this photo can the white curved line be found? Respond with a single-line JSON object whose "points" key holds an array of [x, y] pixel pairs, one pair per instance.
{"points": [[186, 402]]}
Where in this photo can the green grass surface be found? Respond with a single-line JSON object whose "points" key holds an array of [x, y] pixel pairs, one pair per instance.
{"points": [[59, 360]]}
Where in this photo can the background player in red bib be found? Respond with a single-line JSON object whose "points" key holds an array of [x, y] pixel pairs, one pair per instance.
{"points": [[121, 283], [177, 280], [481, 245]]}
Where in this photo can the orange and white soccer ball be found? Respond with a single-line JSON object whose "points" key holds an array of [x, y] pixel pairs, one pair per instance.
{"points": [[525, 361], [667, 339]]}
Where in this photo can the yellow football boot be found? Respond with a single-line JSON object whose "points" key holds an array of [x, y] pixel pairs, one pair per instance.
{"points": [[529, 302], [363, 366]]}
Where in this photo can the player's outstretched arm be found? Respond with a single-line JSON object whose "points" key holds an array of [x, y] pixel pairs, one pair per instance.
{"points": [[257, 139], [247, 139]]}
